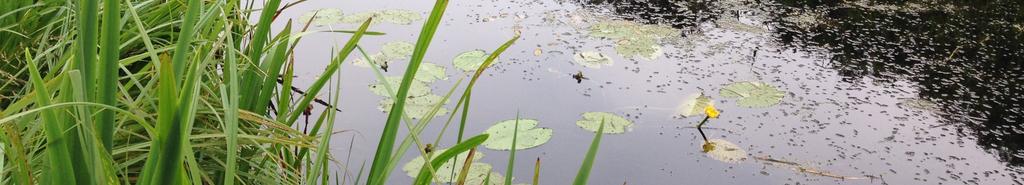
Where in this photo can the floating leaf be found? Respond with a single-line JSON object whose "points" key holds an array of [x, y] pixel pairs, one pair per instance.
{"points": [[417, 107], [724, 151], [412, 168], [644, 48], [375, 59], [326, 16], [753, 94], [735, 25], [918, 103], [694, 105], [417, 88], [529, 135], [592, 59], [398, 50], [614, 124], [619, 29], [403, 17], [430, 72], [359, 18], [470, 60]]}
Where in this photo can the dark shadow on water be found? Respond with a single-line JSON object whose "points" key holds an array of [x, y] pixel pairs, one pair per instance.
{"points": [[966, 56]]}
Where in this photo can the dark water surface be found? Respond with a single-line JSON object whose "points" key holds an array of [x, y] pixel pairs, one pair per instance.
{"points": [[892, 92]]}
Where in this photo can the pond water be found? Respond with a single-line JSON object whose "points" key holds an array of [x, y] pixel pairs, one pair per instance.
{"points": [[873, 92]]}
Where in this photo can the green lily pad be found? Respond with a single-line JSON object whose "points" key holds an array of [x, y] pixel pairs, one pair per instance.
{"points": [[326, 16], [417, 107], [619, 29], [644, 48], [753, 94], [528, 135], [592, 59], [417, 88], [412, 168], [470, 60], [403, 17], [430, 72], [724, 151], [398, 50], [694, 105], [614, 124], [359, 18], [375, 59]]}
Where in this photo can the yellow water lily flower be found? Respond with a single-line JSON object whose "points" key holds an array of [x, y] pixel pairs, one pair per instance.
{"points": [[711, 111]]}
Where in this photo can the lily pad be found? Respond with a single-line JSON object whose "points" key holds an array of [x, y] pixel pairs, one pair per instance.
{"points": [[644, 48], [326, 16], [528, 135], [724, 151], [398, 50], [417, 88], [619, 29], [470, 60], [403, 17], [614, 124], [359, 18], [375, 59], [694, 105], [412, 168], [592, 59], [418, 106], [753, 94], [430, 72]]}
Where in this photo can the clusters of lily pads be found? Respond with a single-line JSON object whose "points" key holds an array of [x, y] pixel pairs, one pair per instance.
{"points": [[421, 101], [527, 135], [634, 40], [332, 16]]}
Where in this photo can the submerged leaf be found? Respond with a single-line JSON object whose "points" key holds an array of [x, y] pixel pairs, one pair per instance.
{"points": [[614, 124], [694, 104], [325, 16], [359, 18], [724, 151], [753, 94], [375, 59], [528, 135], [470, 60], [592, 59]]}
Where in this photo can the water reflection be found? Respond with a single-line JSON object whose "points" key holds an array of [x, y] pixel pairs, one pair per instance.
{"points": [[965, 56]]}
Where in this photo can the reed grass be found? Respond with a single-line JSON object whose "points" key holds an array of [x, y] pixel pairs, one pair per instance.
{"points": [[187, 92]]}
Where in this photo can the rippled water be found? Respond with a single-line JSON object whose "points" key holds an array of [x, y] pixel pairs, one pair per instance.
{"points": [[886, 92]]}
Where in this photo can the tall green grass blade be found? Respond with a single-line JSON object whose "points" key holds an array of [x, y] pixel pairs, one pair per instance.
{"points": [[274, 62], [512, 153], [255, 53], [184, 42], [588, 161], [425, 175], [56, 145], [387, 140], [464, 100], [229, 97], [108, 70], [325, 138], [331, 69], [174, 112]]}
